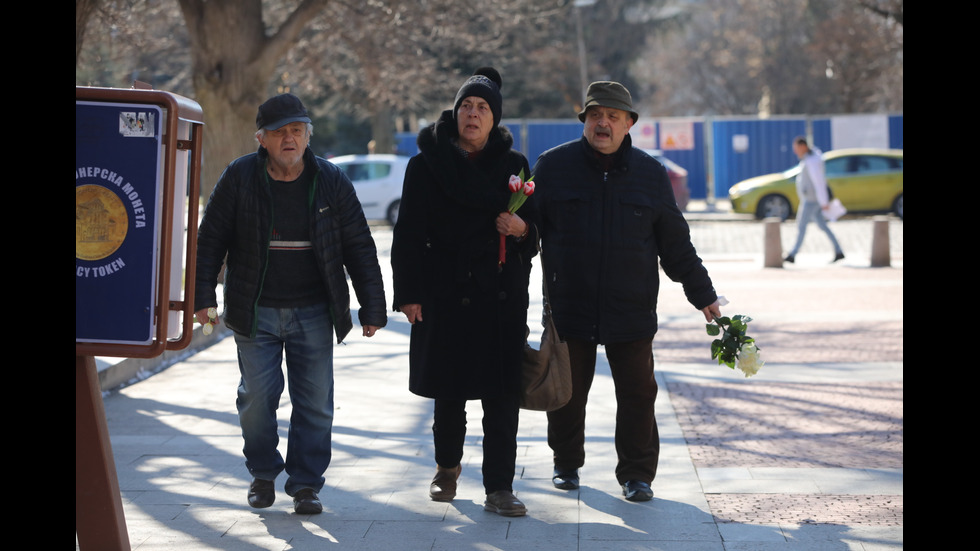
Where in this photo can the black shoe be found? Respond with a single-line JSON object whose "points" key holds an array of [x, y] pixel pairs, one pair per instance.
{"points": [[634, 490], [262, 493], [565, 480], [789, 258], [306, 502], [838, 256]]}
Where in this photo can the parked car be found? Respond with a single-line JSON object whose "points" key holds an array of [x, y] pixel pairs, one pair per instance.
{"points": [[864, 179], [677, 175], [377, 180]]}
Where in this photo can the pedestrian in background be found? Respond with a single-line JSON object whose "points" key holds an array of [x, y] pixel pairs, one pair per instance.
{"points": [[292, 230], [607, 214], [468, 311], [814, 195]]}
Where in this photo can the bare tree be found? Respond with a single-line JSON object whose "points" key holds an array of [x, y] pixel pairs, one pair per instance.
{"points": [[777, 57], [381, 57], [387, 59], [889, 9], [861, 56], [83, 12], [234, 56]]}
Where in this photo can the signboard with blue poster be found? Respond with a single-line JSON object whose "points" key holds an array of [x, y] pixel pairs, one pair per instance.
{"points": [[137, 188], [118, 190]]}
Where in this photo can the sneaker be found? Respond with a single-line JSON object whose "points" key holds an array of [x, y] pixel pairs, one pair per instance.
{"points": [[306, 502], [261, 493], [505, 503], [443, 487], [634, 490]]}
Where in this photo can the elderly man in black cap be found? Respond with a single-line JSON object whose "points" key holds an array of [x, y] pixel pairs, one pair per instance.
{"points": [[607, 214], [291, 228]]}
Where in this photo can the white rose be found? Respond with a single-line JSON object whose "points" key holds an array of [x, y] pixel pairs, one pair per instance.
{"points": [[748, 359]]}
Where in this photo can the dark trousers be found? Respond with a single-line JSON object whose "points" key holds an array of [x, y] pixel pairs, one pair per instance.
{"points": [[637, 438], [500, 422]]}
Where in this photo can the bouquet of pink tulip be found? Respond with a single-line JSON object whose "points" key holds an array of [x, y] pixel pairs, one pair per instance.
{"points": [[520, 191]]}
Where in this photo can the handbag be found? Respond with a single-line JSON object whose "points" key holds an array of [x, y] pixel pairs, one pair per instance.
{"points": [[546, 374]]}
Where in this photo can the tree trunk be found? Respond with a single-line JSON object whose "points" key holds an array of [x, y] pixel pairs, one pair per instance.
{"points": [[229, 133], [383, 130], [234, 61], [83, 11]]}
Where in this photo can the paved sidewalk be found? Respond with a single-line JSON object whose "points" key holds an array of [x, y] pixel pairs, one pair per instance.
{"points": [[807, 455]]}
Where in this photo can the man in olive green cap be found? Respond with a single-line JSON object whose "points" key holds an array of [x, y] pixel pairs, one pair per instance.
{"points": [[607, 218], [608, 116], [608, 94]]}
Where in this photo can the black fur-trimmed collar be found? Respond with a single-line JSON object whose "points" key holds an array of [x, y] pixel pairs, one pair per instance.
{"points": [[467, 182]]}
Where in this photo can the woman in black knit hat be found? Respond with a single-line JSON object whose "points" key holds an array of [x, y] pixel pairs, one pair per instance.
{"points": [[468, 311]]}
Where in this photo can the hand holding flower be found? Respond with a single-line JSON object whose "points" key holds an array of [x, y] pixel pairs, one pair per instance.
{"points": [[520, 191], [511, 224], [713, 310]]}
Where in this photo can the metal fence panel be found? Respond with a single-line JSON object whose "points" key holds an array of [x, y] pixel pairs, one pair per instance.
{"points": [[745, 148], [725, 150]]}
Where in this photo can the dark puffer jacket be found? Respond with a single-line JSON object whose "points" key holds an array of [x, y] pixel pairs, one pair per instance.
{"points": [[602, 232], [238, 222]]}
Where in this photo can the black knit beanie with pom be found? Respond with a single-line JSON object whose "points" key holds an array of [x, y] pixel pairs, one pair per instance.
{"points": [[485, 83]]}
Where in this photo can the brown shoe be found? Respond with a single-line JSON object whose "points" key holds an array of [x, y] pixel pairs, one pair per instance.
{"points": [[443, 487], [504, 502]]}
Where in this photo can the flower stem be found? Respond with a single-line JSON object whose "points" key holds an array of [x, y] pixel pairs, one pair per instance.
{"points": [[502, 252]]}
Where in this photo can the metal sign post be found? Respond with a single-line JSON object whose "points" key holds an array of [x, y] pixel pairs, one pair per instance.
{"points": [[137, 183]]}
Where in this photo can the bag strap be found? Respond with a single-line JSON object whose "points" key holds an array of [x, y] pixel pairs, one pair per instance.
{"points": [[546, 306]]}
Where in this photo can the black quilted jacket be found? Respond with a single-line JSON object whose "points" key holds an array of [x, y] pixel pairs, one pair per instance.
{"points": [[238, 222], [605, 235]]}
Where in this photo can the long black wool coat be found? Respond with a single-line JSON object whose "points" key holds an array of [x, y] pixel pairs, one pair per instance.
{"points": [[444, 256]]}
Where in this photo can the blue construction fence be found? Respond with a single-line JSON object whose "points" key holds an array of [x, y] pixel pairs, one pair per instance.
{"points": [[717, 152]]}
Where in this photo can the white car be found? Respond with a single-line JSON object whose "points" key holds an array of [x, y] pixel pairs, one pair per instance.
{"points": [[377, 180]]}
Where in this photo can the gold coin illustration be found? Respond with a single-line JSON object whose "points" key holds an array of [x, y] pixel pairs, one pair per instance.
{"points": [[101, 222]]}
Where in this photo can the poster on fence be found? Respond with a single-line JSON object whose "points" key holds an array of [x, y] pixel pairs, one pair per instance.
{"points": [[644, 134], [676, 135]]}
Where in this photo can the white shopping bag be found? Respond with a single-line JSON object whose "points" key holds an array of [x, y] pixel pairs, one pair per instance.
{"points": [[834, 210]]}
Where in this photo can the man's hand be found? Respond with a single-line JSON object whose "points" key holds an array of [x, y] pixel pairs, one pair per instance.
{"points": [[369, 330], [712, 311], [412, 311], [202, 316]]}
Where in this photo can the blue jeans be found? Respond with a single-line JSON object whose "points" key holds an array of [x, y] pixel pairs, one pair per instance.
{"points": [[810, 211], [305, 334]]}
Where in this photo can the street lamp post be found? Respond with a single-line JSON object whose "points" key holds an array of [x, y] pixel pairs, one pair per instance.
{"points": [[583, 72]]}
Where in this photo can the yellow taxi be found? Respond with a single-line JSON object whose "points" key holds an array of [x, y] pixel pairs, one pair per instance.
{"points": [[864, 179]]}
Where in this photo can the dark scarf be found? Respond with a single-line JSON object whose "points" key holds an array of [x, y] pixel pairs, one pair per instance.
{"points": [[466, 179], [610, 161]]}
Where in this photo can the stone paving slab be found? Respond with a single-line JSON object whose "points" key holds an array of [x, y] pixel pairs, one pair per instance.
{"points": [[797, 444], [856, 425], [832, 337]]}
